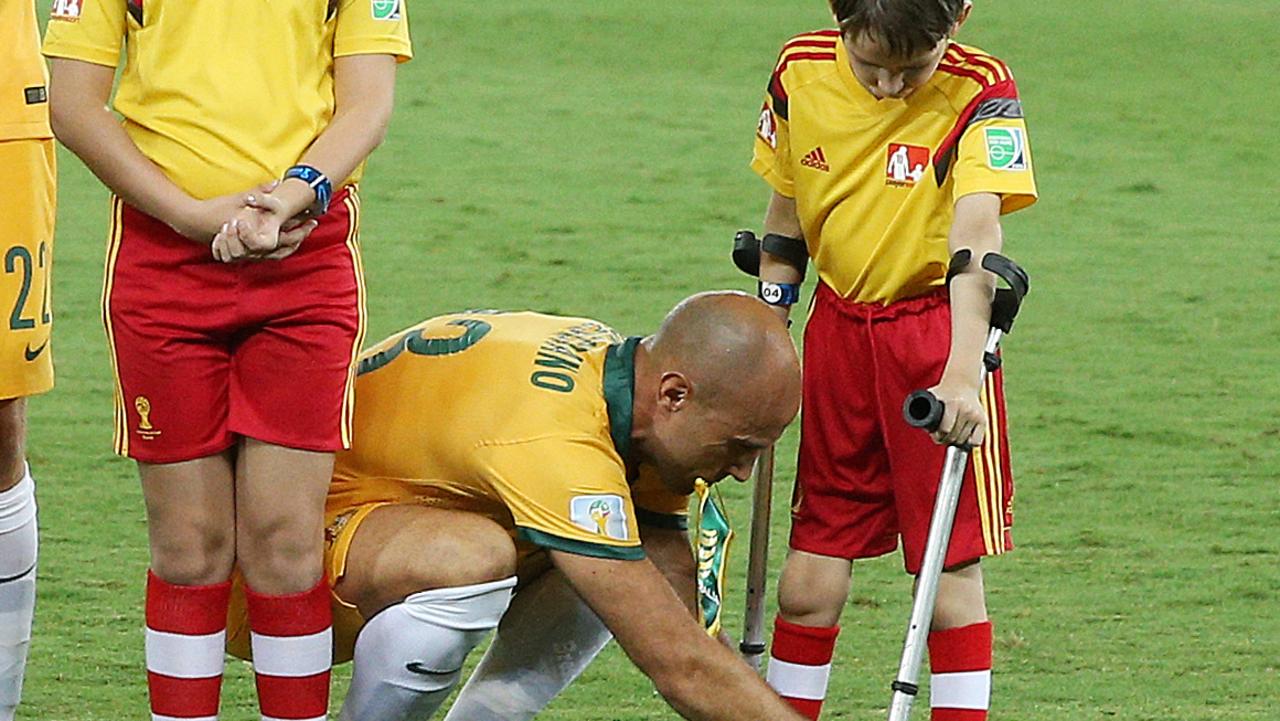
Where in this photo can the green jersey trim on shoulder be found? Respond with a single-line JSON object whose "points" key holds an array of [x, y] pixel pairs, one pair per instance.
{"points": [[581, 548], [669, 521], [619, 392]]}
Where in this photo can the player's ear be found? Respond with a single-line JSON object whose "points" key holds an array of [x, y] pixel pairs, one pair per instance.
{"points": [[673, 391], [964, 15]]}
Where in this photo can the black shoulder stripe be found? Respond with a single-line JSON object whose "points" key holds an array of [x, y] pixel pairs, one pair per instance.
{"points": [[997, 108], [779, 96], [1001, 102]]}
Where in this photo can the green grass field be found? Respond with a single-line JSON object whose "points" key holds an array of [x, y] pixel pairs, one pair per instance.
{"points": [[590, 157]]}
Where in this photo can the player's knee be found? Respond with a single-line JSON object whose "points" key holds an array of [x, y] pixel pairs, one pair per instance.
{"points": [[197, 555], [812, 592], [280, 557], [961, 600]]}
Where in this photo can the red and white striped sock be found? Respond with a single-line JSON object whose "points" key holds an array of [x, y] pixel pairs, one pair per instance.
{"points": [[800, 664], [292, 639], [960, 687], [186, 635]]}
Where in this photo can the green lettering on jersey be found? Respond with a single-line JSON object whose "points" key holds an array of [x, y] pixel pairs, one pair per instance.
{"points": [[416, 343], [552, 381]]}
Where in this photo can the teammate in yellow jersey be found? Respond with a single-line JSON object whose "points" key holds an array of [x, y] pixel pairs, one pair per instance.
{"points": [[245, 126], [490, 447], [890, 148], [27, 200]]}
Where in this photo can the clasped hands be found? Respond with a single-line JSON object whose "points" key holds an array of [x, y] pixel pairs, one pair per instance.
{"points": [[262, 225]]}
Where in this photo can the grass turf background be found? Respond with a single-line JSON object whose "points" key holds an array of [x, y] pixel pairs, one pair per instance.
{"points": [[589, 157]]}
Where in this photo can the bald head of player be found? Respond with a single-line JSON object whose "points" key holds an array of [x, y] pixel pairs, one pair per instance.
{"points": [[715, 386]]}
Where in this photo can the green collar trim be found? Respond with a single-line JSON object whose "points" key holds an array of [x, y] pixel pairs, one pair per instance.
{"points": [[581, 548], [668, 521], [620, 391]]}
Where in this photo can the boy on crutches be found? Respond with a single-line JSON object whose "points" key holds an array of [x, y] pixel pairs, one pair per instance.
{"points": [[890, 148]]}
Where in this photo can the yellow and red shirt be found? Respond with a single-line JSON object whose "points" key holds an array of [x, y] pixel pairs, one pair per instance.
{"points": [[521, 417], [24, 98], [876, 181], [225, 95]]}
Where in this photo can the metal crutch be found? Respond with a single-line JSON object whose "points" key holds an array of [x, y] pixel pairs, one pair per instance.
{"points": [[752, 646], [923, 410]]}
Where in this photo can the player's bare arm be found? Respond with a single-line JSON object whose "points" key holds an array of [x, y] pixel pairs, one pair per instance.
{"points": [[672, 552], [364, 93], [669, 549], [667, 644], [976, 226], [780, 218]]}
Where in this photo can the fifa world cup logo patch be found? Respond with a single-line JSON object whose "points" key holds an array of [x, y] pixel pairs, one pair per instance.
{"points": [[906, 164], [143, 407], [600, 514]]}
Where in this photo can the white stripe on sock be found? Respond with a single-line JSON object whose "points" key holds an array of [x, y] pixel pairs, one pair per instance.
{"points": [[293, 656], [183, 656], [966, 689], [798, 680]]}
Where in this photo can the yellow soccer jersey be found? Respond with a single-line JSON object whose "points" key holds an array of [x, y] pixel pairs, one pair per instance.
{"points": [[225, 95], [522, 417], [876, 181], [24, 96]]}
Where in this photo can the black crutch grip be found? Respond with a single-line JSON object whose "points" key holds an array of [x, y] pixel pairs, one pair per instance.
{"points": [[922, 409], [746, 252]]}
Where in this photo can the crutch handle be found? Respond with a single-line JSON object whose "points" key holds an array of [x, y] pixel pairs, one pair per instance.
{"points": [[922, 409]]}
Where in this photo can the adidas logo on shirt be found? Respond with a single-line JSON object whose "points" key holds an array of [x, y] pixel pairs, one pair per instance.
{"points": [[816, 159]]}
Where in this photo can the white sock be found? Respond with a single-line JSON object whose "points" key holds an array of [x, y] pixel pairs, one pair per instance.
{"points": [[546, 638], [17, 588], [409, 656]]}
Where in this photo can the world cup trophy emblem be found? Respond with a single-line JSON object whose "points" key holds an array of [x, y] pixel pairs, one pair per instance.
{"points": [[600, 514], [145, 429], [143, 406]]}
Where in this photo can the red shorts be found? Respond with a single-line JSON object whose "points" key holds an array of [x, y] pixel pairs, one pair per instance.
{"points": [[865, 476], [204, 351]]}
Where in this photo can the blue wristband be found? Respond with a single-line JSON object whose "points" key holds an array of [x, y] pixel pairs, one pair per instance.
{"points": [[783, 294], [318, 182]]}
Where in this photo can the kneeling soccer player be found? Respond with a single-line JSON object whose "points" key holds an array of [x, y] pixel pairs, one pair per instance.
{"points": [[490, 447]]}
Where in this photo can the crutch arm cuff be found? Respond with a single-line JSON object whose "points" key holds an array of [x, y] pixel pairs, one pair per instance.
{"points": [[791, 251], [747, 249]]}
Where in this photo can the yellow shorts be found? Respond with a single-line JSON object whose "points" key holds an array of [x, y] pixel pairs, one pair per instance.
{"points": [[28, 176]]}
